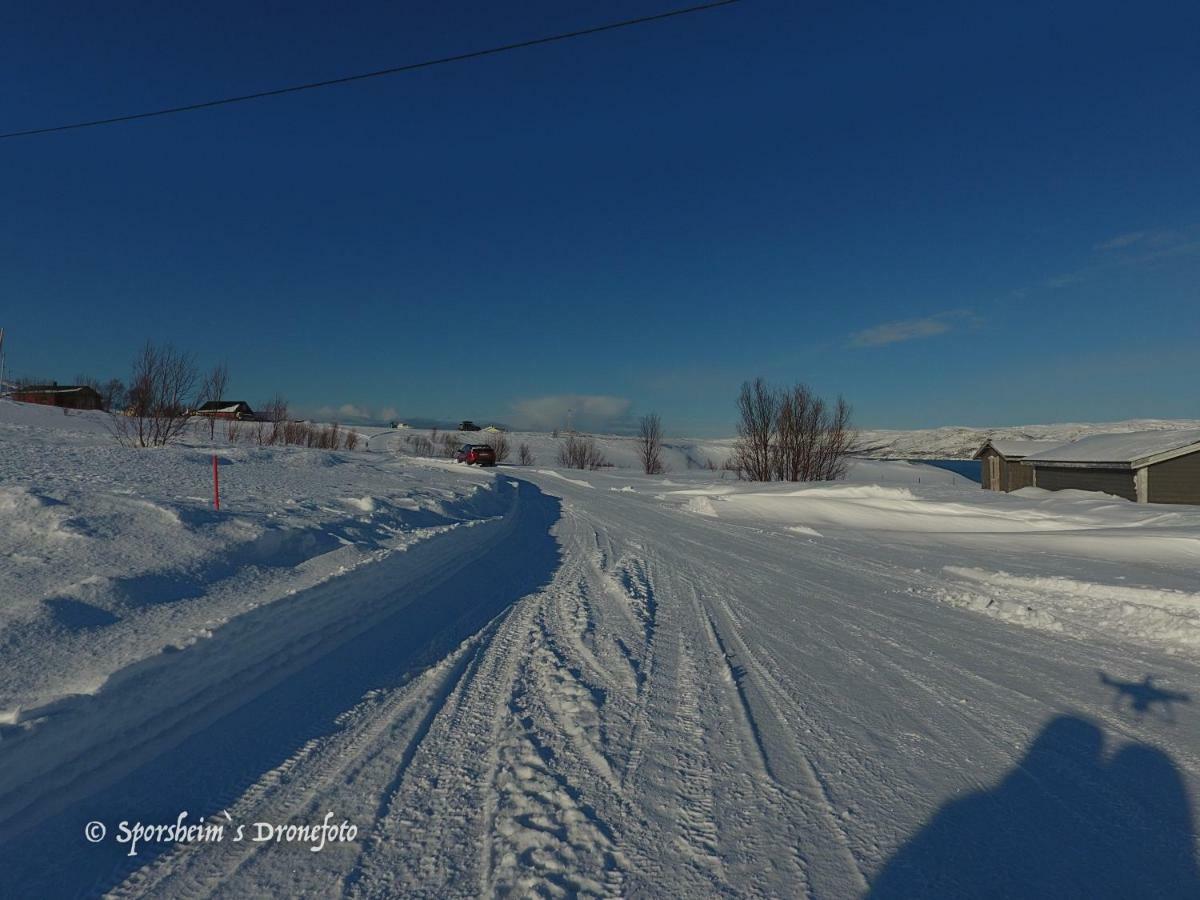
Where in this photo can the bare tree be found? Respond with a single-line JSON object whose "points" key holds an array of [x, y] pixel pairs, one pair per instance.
{"points": [[160, 391], [450, 444], [112, 394], [501, 446], [758, 409], [649, 444], [214, 387], [840, 441], [275, 412], [525, 456]]}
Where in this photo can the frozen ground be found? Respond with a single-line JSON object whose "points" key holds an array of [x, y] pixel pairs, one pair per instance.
{"points": [[556, 683]]}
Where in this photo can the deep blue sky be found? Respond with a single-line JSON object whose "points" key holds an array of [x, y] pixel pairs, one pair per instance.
{"points": [[958, 213]]}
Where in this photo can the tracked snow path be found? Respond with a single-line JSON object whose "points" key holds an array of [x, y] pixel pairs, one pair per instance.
{"points": [[690, 707]]}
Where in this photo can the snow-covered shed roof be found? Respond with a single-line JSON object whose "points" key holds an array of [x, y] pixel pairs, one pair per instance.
{"points": [[1133, 449], [1016, 449]]}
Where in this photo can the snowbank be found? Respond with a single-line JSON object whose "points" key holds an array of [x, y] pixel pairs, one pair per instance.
{"points": [[110, 555], [1057, 603]]}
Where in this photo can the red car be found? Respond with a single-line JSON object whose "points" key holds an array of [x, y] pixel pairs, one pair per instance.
{"points": [[476, 454]]}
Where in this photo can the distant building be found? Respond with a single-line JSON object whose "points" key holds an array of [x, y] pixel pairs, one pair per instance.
{"points": [[226, 409], [468, 425], [492, 429], [1144, 466], [67, 396], [1000, 466]]}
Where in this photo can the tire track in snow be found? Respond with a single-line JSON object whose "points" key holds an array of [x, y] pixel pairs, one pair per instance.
{"points": [[518, 765], [444, 804], [827, 867], [382, 733]]}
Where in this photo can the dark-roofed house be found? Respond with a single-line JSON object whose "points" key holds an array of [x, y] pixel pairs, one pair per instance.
{"points": [[1145, 466], [226, 409], [70, 396], [1000, 466]]}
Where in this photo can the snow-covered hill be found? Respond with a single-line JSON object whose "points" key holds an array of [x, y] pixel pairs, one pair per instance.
{"points": [[961, 442]]}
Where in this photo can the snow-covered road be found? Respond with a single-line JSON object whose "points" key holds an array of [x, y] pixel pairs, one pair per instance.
{"points": [[628, 694]]}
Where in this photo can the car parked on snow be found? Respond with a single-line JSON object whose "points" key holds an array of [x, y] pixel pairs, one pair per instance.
{"points": [[476, 455]]}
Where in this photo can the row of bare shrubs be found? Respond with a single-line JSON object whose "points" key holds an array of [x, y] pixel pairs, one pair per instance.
{"points": [[446, 444], [296, 434], [581, 452]]}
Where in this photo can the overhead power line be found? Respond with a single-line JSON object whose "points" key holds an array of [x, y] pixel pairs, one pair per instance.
{"points": [[379, 73]]}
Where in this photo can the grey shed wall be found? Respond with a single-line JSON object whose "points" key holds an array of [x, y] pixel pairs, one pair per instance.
{"points": [[1176, 480], [1011, 476], [985, 469], [1110, 481], [1016, 476]]}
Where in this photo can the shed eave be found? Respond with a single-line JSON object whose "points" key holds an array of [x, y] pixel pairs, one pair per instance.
{"points": [[1166, 455], [1075, 464]]}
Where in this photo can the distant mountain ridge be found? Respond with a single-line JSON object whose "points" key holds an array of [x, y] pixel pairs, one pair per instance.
{"points": [[961, 442]]}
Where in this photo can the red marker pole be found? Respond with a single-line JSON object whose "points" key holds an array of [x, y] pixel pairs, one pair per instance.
{"points": [[216, 484]]}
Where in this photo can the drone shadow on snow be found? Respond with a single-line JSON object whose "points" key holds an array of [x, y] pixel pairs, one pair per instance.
{"points": [[1068, 820]]}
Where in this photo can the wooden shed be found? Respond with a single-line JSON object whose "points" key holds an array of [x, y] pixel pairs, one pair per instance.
{"points": [[69, 396], [1000, 466], [1144, 466]]}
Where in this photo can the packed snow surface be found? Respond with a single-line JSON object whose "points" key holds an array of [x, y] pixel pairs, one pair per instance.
{"points": [[530, 681]]}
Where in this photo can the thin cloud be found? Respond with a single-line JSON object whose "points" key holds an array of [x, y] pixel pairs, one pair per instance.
{"points": [[588, 412], [898, 332], [1066, 280], [1134, 248], [1161, 239], [1121, 241]]}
